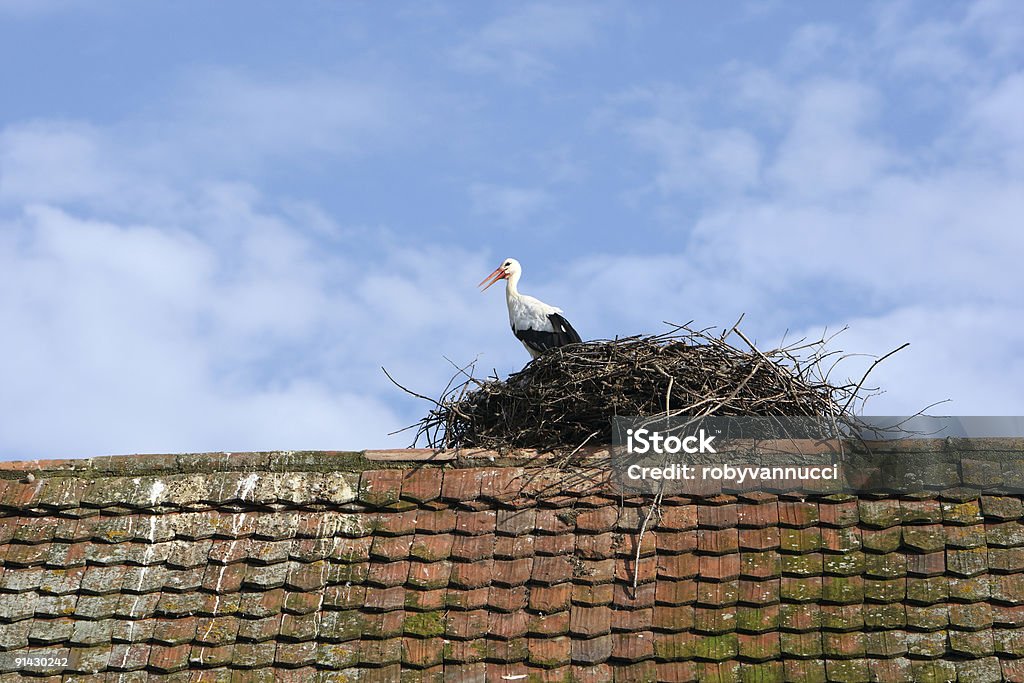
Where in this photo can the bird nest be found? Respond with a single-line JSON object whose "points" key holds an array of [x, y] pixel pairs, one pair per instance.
{"points": [[567, 397]]}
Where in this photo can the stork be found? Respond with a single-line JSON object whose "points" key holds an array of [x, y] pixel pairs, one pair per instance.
{"points": [[536, 324]]}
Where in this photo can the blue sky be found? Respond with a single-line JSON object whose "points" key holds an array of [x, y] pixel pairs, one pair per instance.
{"points": [[217, 221]]}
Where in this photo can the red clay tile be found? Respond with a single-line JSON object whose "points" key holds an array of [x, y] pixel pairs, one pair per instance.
{"points": [[388, 574], [1006, 560], [422, 484], [435, 521], [422, 653], [633, 647], [680, 592], [794, 513], [554, 522], [554, 545], [425, 600], [515, 522], [593, 571], [586, 594], [473, 598], [461, 484], [507, 599], [759, 647], [353, 549], [344, 596], [626, 545], [839, 513], [591, 651], [391, 547], [379, 488], [385, 599], [507, 626], [431, 547], [678, 518], [681, 672], [550, 599], [474, 523], [675, 541], [463, 652], [509, 548], [428, 575], [549, 652], [632, 619], [628, 570], [757, 515], [473, 548], [717, 516], [1008, 589], [469, 575], [167, 659], [625, 597], [380, 652], [467, 625], [678, 566], [597, 520], [758, 539], [512, 572], [595, 546], [551, 570], [968, 536], [587, 622], [503, 484], [717, 542], [841, 540], [756, 592], [719, 567], [672, 617]]}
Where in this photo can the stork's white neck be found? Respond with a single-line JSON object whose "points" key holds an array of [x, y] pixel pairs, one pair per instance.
{"points": [[512, 285]]}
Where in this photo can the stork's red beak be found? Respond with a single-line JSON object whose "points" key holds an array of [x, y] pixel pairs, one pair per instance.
{"points": [[498, 274]]}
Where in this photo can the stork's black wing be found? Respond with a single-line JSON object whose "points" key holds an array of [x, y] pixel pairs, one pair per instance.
{"points": [[539, 341]]}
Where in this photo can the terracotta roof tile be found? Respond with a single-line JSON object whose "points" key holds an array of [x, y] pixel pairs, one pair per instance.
{"points": [[507, 599], [670, 542], [597, 520], [379, 488], [717, 541], [473, 548], [800, 617], [435, 521], [510, 548], [829, 586], [515, 522], [422, 484], [470, 598], [591, 650], [461, 484], [678, 517], [625, 597], [555, 521], [470, 575], [554, 545]]}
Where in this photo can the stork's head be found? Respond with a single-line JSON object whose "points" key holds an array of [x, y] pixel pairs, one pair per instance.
{"points": [[508, 268]]}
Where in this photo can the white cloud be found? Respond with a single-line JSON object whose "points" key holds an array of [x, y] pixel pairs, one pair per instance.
{"points": [[243, 118], [517, 45], [826, 150], [139, 338], [996, 125], [508, 205]]}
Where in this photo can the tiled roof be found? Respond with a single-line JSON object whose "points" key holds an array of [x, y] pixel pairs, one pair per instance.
{"points": [[302, 567]]}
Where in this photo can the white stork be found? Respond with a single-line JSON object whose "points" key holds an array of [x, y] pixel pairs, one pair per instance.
{"points": [[536, 324]]}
